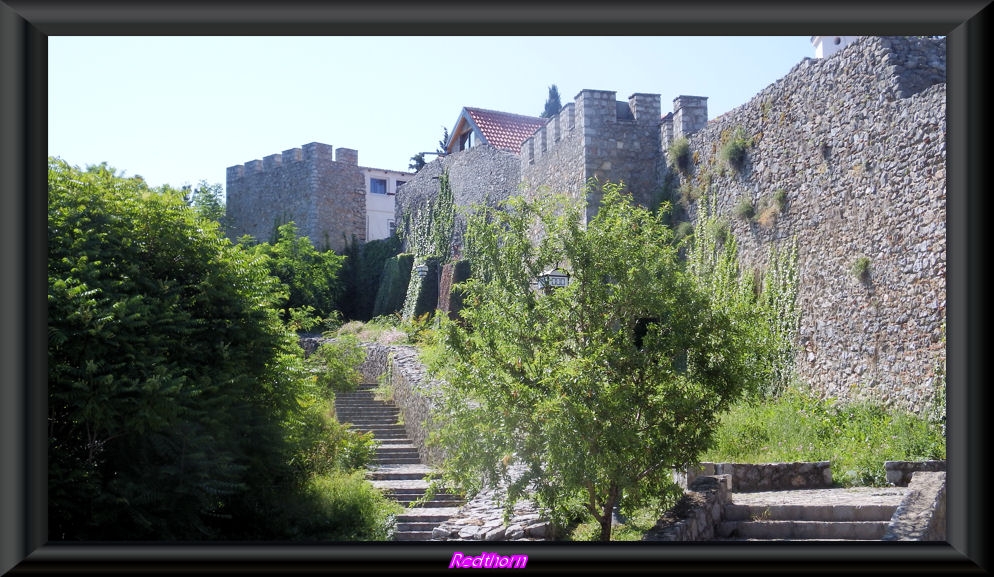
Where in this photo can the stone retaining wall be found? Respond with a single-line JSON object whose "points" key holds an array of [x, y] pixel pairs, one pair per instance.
{"points": [[705, 502], [899, 473], [921, 516], [764, 476], [412, 392]]}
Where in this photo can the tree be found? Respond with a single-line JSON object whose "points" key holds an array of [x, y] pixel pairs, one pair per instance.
{"points": [[595, 390], [208, 201], [418, 160], [311, 277], [552, 103], [178, 403]]}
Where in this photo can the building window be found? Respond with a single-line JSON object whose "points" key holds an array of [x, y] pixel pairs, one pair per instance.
{"points": [[378, 185], [397, 186], [393, 227], [466, 140]]}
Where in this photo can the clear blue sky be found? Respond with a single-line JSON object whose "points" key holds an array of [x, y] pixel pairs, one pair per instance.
{"points": [[177, 110]]}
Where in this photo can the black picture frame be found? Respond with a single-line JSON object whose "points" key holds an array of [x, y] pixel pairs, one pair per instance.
{"points": [[24, 28]]}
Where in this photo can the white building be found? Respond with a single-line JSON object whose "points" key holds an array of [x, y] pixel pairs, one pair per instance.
{"points": [[826, 46], [381, 190]]}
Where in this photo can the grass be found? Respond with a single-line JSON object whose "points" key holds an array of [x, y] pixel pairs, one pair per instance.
{"points": [[856, 437], [861, 268]]}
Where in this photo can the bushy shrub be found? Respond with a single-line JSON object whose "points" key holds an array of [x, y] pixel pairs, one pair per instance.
{"points": [[177, 402], [336, 363], [344, 507]]}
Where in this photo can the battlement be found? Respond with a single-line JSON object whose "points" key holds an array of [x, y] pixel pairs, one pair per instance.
{"points": [[593, 111], [314, 153]]}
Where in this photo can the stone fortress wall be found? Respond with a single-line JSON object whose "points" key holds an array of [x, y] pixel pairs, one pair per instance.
{"points": [[596, 136], [321, 189], [481, 175], [857, 143]]}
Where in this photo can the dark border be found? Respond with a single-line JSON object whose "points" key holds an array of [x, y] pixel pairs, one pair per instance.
{"points": [[24, 27]]}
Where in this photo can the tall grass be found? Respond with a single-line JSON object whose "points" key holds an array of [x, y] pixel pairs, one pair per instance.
{"points": [[797, 426]]}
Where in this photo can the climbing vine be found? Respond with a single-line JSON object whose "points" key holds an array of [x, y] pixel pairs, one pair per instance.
{"points": [[765, 305], [430, 232]]}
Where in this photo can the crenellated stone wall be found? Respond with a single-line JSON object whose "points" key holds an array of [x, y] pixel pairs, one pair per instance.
{"points": [[857, 143], [598, 137], [320, 189]]}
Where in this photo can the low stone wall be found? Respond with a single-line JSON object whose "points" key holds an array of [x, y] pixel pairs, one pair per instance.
{"points": [[899, 472], [699, 513], [765, 476], [412, 391], [921, 516]]}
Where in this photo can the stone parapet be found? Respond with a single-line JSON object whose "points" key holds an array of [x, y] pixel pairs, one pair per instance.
{"points": [[699, 513], [921, 516], [899, 473], [763, 477]]}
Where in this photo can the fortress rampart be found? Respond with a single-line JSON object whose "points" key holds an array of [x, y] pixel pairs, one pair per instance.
{"points": [[856, 141], [599, 137], [319, 188]]}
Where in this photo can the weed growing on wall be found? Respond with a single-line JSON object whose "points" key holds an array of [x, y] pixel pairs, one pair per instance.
{"points": [[678, 154], [735, 145]]}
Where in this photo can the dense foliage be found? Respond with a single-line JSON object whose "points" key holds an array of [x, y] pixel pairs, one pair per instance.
{"points": [[363, 273], [595, 389], [178, 403], [429, 234], [311, 277]]}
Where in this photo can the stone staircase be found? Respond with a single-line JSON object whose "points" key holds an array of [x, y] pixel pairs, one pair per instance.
{"points": [[396, 468], [855, 514]]}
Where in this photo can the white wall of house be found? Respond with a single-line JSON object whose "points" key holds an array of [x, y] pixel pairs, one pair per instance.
{"points": [[381, 190], [826, 46]]}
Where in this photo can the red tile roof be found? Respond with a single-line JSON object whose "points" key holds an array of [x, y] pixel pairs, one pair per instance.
{"points": [[504, 130]]}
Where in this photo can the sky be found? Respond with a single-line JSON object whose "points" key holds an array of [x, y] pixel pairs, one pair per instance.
{"points": [[179, 110]]}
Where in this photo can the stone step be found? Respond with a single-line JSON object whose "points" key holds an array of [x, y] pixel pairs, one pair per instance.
{"points": [[866, 512], [412, 536], [435, 515], [395, 461], [795, 530], [416, 527]]}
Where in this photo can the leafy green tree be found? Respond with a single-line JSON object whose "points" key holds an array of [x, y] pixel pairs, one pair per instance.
{"points": [[311, 277], [595, 390], [552, 103], [179, 406], [208, 201]]}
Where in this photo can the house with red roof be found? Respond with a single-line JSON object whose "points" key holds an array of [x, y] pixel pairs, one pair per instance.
{"points": [[502, 130]]}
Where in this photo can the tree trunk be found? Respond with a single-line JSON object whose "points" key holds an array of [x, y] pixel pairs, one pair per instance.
{"points": [[607, 515]]}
